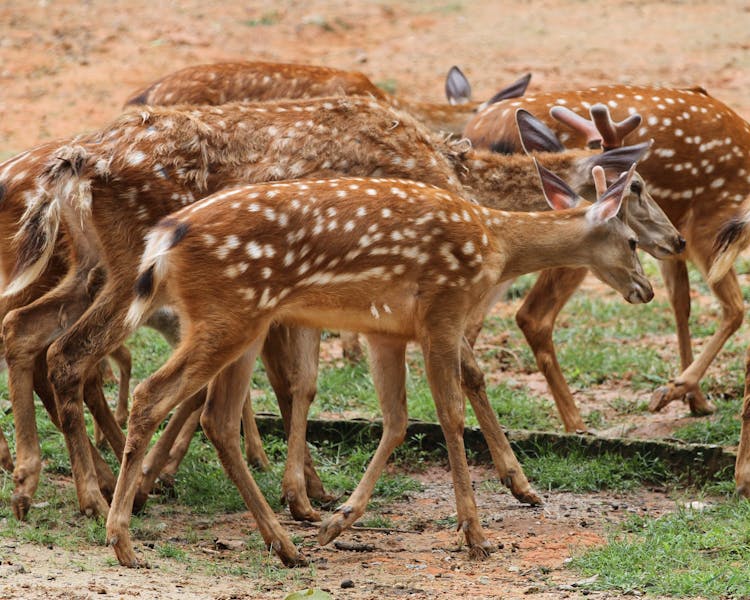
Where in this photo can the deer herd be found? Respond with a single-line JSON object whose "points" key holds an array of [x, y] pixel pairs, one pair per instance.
{"points": [[240, 208]]}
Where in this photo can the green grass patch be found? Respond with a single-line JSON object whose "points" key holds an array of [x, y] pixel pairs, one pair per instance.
{"points": [[575, 471], [721, 428], [684, 554]]}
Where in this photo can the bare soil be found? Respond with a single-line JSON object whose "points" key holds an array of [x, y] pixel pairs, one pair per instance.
{"points": [[66, 67]]}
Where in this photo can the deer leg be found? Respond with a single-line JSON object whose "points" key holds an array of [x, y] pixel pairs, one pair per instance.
{"points": [[183, 376], [351, 347], [742, 466], [729, 295], [675, 275], [388, 368], [93, 397], [121, 356], [221, 422], [176, 435], [43, 389], [536, 318], [290, 355], [71, 358], [508, 468], [6, 459], [254, 452], [442, 364], [27, 331]]}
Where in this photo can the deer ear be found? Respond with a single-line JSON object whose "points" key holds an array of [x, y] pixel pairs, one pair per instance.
{"points": [[457, 87], [559, 195], [608, 205], [618, 160], [514, 90], [535, 135]]}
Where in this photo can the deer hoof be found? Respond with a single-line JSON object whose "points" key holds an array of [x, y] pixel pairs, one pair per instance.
{"points": [[661, 397], [300, 508], [21, 503], [699, 405], [335, 524]]}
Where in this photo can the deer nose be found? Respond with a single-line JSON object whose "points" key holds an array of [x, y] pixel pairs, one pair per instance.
{"points": [[680, 243]]}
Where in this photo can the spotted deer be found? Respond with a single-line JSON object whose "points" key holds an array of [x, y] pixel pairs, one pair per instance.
{"points": [[153, 161], [19, 184], [698, 172], [394, 259], [220, 83]]}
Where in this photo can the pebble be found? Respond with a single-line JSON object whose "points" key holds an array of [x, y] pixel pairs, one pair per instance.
{"points": [[347, 583]]}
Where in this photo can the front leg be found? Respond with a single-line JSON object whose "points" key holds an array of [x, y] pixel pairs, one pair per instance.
{"points": [[508, 468], [536, 318], [442, 364]]}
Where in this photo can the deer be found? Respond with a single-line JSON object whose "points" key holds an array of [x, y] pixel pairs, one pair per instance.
{"points": [[27, 371], [221, 83], [153, 161], [394, 259], [733, 238], [698, 172]]}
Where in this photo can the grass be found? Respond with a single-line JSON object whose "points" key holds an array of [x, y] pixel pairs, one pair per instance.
{"points": [[684, 554], [723, 428], [574, 471]]}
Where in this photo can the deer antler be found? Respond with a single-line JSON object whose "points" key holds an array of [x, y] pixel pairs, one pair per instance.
{"points": [[600, 130], [612, 133], [600, 180]]}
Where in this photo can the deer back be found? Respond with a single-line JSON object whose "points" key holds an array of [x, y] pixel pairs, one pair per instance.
{"points": [[221, 83]]}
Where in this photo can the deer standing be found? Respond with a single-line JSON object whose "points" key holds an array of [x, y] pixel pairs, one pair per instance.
{"points": [[221, 83], [27, 371], [698, 172], [154, 161], [394, 259]]}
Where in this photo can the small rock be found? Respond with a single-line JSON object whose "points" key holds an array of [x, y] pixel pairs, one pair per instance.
{"points": [[347, 583], [514, 569], [534, 589], [699, 506], [484, 580]]}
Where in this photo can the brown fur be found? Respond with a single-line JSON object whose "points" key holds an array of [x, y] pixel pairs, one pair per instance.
{"points": [[698, 175], [151, 162]]}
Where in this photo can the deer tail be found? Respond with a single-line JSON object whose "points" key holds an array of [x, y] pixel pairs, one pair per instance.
{"points": [[40, 223], [154, 268], [733, 238]]}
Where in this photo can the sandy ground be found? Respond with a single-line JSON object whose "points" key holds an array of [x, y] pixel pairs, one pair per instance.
{"points": [[66, 67]]}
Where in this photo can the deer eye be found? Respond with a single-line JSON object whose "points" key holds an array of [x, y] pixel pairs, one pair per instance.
{"points": [[633, 243], [636, 187]]}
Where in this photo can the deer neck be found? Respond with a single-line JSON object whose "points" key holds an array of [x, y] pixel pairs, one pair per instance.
{"points": [[509, 181], [534, 241]]}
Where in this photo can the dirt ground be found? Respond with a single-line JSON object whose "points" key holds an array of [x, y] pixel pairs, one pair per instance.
{"points": [[66, 67]]}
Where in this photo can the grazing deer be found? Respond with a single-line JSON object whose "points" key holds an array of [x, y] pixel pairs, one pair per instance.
{"points": [[27, 370], [151, 162], [394, 259], [221, 83], [698, 172]]}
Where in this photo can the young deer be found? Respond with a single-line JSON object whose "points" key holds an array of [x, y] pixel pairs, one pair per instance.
{"points": [[698, 172], [26, 366], [152, 162], [393, 259], [221, 83]]}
